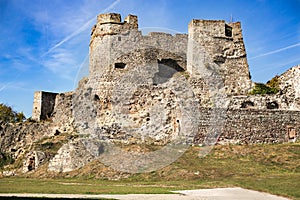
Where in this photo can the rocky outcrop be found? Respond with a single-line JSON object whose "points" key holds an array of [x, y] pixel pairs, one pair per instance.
{"points": [[17, 137], [289, 83], [69, 157]]}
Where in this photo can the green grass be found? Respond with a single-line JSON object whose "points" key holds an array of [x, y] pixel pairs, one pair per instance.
{"points": [[268, 168]]}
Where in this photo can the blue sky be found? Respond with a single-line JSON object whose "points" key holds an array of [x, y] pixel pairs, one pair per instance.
{"points": [[43, 44]]}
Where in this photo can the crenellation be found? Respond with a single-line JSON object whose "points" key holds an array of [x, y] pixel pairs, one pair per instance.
{"points": [[108, 18], [132, 21]]}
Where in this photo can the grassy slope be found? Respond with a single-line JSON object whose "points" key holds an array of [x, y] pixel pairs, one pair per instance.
{"points": [[269, 168]]}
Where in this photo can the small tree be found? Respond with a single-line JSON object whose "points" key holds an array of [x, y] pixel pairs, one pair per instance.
{"points": [[20, 117], [7, 114]]}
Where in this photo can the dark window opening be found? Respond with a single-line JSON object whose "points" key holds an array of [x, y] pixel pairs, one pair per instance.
{"points": [[228, 31], [272, 105], [96, 97], [171, 63], [57, 132], [119, 38], [247, 104], [31, 164], [120, 65], [166, 69], [291, 131]]}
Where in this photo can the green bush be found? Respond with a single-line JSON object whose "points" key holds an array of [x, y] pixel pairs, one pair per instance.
{"points": [[261, 88], [274, 83], [7, 114], [5, 159]]}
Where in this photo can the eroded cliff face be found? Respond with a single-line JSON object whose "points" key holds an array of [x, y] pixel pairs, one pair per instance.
{"points": [[290, 87], [17, 138], [32, 144]]}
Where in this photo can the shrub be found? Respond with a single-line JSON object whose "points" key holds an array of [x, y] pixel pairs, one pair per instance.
{"points": [[7, 114], [5, 159], [274, 83], [261, 88]]}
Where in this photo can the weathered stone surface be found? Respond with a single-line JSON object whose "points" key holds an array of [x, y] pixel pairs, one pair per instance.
{"points": [[289, 85], [43, 105], [33, 160], [70, 156], [157, 89], [15, 138], [224, 48]]}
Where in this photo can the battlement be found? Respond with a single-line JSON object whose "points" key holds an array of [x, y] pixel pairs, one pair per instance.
{"points": [[216, 28], [109, 18], [111, 24]]}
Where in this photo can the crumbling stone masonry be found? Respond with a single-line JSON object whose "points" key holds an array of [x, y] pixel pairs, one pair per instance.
{"points": [[155, 88], [43, 105], [118, 47]]}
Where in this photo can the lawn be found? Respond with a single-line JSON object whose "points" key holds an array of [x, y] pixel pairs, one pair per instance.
{"points": [[272, 168]]}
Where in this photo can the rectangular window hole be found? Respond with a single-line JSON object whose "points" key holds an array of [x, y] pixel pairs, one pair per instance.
{"points": [[120, 65], [291, 132], [228, 31]]}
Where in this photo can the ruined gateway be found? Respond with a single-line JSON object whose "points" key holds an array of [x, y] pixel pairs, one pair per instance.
{"points": [[189, 88]]}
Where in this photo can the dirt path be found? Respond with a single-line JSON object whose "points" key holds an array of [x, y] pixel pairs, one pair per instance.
{"points": [[206, 194]]}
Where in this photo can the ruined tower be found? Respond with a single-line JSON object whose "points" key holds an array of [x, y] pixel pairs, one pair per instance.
{"points": [[223, 44], [108, 25]]}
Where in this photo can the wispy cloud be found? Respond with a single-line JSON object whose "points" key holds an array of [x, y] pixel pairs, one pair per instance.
{"points": [[15, 85], [80, 29], [279, 66], [275, 51], [61, 62]]}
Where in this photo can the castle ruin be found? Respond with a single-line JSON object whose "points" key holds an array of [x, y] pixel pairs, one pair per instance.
{"points": [[118, 47], [156, 87]]}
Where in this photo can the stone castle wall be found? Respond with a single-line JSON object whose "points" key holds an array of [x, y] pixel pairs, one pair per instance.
{"points": [[43, 105], [252, 126], [289, 83], [153, 88], [118, 49]]}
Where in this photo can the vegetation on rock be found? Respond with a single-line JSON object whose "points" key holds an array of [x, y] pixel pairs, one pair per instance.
{"points": [[274, 83], [5, 159], [261, 88]]}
